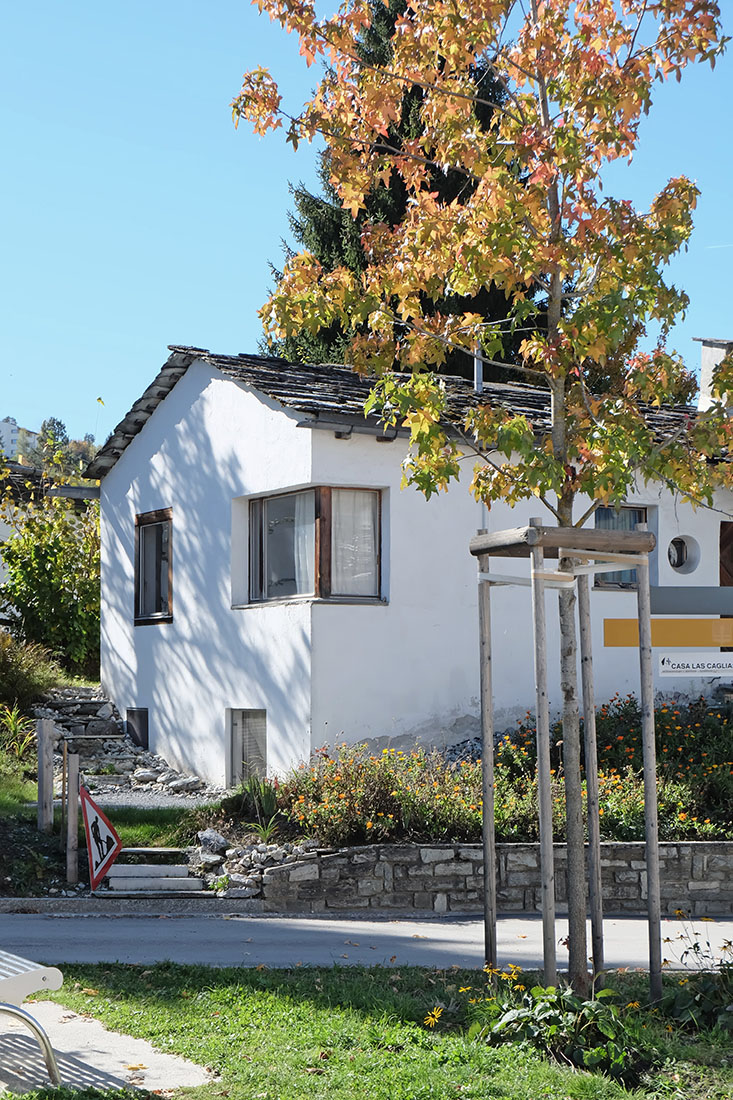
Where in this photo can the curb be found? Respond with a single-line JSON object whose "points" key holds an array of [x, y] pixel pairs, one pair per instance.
{"points": [[104, 906]]}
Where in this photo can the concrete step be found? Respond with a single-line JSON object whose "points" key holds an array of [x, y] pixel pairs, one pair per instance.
{"points": [[148, 870], [156, 885], [195, 896]]}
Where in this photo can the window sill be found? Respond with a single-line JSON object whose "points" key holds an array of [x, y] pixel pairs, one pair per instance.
{"points": [[284, 601], [153, 619], [615, 588]]}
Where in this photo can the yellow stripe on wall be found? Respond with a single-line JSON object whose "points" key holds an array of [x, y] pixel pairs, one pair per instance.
{"points": [[670, 633]]}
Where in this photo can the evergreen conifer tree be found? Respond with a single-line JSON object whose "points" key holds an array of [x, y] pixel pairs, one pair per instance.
{"points": [[321, 225]]}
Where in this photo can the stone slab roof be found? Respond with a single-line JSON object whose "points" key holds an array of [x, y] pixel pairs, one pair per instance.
{"points": [[329, 396]]}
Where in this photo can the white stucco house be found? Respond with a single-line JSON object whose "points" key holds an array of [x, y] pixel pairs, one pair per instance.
{"points": [[267, 587]]}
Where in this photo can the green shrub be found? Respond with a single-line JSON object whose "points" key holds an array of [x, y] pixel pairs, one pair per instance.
{"points": [[51, 591], [694, 748], [27, 670], [590, 1034], [702, 1001], [355, 797]]}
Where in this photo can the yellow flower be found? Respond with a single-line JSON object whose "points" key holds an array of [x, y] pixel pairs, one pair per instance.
{"points": [[433, 1016], [370, 824]]}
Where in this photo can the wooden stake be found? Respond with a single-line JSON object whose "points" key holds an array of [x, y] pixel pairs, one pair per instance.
{"points": [[64, 777], [650, 778], [487, 766], [72, 819], [544, 782], [591, 777], [44, 736]]}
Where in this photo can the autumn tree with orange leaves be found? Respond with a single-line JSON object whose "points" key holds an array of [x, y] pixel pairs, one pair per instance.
{"points": [[576, 80]]}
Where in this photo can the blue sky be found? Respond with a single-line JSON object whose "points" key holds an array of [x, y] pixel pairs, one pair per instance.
{"points": [[135, 216]]}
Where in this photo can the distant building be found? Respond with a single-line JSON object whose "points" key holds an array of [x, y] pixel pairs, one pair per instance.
{"points": [[9, 436], [15, 440]]}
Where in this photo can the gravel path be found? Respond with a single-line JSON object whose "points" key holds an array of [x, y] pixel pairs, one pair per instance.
{"points": [[141, 798]]}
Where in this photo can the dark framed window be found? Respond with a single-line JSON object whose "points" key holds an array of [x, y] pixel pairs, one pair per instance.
{"points": [[153, 573], [624, 518], [320, 542]]}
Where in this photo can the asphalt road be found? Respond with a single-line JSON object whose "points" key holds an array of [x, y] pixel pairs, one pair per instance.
{"points": [[307, 941]]}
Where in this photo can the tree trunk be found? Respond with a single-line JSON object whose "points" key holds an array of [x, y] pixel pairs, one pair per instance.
{"points": [[576, 872], [576, 875], [576, 865]]}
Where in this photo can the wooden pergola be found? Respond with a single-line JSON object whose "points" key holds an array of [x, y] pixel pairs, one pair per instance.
{"points": [[581, 553]]}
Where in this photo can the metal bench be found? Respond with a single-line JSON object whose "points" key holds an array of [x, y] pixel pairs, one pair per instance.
{"points": [[19, 978]]}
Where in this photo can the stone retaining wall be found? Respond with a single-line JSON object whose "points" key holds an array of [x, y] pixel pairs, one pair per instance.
{"points": [[696, 877]]}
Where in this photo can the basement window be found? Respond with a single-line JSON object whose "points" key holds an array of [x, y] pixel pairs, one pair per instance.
{"points": [[320, 542], [153, 576], [624, 518]]}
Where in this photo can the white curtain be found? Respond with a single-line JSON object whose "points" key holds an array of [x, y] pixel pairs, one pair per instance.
{"points": [[622, 519], [354, 543], [304, 539]]}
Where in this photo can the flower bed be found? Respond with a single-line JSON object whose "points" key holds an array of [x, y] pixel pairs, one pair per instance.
{"points": [[352, 797]]}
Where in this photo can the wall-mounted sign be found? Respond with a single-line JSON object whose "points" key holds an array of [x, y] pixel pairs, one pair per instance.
{"points": [[696, 664], [671, 633]]}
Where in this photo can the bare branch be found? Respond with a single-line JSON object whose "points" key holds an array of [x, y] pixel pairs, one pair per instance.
{"points": [[388, 150], [635, 34], [587, 513], [529, 371], [484, 457]]}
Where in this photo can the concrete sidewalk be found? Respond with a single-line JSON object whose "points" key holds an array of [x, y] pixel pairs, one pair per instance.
{"points": [[239, 940], [88, 1056]]}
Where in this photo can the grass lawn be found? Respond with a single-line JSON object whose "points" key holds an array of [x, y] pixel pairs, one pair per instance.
{"points": [[344, 1033], [158, 827], [15, 793]]}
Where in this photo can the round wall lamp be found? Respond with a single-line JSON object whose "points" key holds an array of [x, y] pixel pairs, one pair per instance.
{"points": [[683, 554]]}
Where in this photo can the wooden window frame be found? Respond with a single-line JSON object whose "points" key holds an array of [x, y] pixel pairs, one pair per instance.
{"points": [[323, 557], [148, 519]]}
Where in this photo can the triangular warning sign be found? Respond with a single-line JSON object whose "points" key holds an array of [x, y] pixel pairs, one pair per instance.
{"points": [[103, 843]]}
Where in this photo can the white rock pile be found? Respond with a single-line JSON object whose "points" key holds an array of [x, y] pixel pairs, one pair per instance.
{"points": [[112, 764], [237, 871]]}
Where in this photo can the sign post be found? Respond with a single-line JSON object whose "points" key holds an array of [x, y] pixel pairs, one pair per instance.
{"points": [[103, 843]]}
